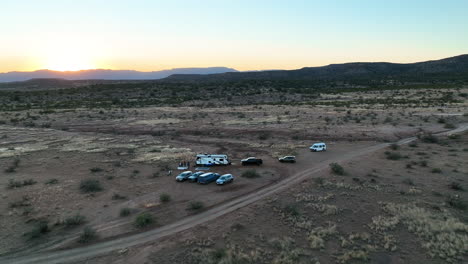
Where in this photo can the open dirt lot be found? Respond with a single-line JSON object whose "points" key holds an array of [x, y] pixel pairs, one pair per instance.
{"points": [[401, 204]]}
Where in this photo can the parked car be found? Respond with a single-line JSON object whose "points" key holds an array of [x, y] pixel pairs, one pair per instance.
{"points": [[183, 176], [194, 176], [251, 161], [223, 179], [208, 177], [291, 159], [318, 147]]}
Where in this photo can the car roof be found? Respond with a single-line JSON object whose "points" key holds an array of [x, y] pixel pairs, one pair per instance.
{"points": [[227, 174], [318, 143], [206, 174], [289, 156]]}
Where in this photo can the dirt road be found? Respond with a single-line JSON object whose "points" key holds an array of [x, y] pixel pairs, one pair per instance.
{"points": [[101, 248]]}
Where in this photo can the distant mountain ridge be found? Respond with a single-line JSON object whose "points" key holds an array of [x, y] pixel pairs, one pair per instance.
{"points": [[100, 74], [452, 67]]}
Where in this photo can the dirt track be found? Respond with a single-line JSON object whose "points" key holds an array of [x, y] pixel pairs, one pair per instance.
{"points": [[192, 221]]}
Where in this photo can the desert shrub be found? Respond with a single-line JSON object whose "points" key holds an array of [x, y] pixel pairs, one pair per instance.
{"points": [[317, 236], [394, 146], [18, 184], [196, 205], [144, 219], [449, 126], [263, 136], [74, 220], [456, 202], [337, 168], [117, 196], [88, 235], [250, 174], [39, 229], [429, 138], [456, 186], [95, 169], [125, 211], [164, 197], [319, 181], [423, 163], [393, 155], [90, 185], [436, 170], [292, 210], [51, 181], [413, 145]]}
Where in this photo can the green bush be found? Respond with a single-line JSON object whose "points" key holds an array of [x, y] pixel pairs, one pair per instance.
{"points": [[196, 205], [88, 235], [393, 155], [75, 220], [90, 185], [39, 229], [95, 169], [337, 168], [164, 197], [429, 138], [18, 184], [456, 186], [449, 126], [456, 202], [394, 146], [117, 196], [436, 170], [51, 181], [250, 174], [125, 212], [144, 219]]}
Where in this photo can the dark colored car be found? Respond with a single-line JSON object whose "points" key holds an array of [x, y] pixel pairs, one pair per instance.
{"points": [[183, 176], [291, 159], [208, 177], [251, 161], [194, 177]]}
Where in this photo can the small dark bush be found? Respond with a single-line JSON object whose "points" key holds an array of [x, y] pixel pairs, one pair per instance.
{"points": [[394, 146], [125, 211], [144, 219], [95, 169], [88, 235], [250, 174], [117, 196], [423, 163], [456, 186], [436, 170], [196, 205], [337, 169], [456, 203], [51, 181], [263, 136], [319, 181], [413, 145], [39, 229], [90, 185], [429, 138], [164, 197], [292, 210], [75, 220], [449, 126], [394, 156]]}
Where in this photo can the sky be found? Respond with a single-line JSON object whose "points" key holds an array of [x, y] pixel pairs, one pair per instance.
{"points": [[152, 35]]}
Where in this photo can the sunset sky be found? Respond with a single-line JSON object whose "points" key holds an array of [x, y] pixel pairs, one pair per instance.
{"points": [[246, 35]]}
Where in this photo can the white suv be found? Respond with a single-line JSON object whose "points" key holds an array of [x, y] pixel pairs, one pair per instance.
{"points": [[318, 147]]}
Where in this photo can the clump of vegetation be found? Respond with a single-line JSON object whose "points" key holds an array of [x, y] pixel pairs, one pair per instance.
{"points": [[88, 235], [39, 229], [95, 169], [408, 181], [442, 235], [337, 168], [250, 174], [429, 138], [125, 212], [144, 219], [51, 181], [436, 170], [18, 184], [90, 185], [292, 210], [456, 186], [74, 220], [393, 155], [449, 126], [117, 196], [456, 202], [13, 166], [317, 236], [196, 205], [394, 146], [164, 197]]}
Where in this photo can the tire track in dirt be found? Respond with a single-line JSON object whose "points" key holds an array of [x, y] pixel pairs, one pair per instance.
{"points": [[101, 248]]}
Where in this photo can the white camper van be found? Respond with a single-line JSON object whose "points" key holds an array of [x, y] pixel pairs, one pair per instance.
{"points": [[212, 159], [318, 147]]}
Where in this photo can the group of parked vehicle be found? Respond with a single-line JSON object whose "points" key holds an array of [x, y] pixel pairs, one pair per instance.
{"points": [[204, 177], [222, 159]]}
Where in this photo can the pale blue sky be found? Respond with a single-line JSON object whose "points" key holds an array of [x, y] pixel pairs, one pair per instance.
{"points": [[247, 35]]}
